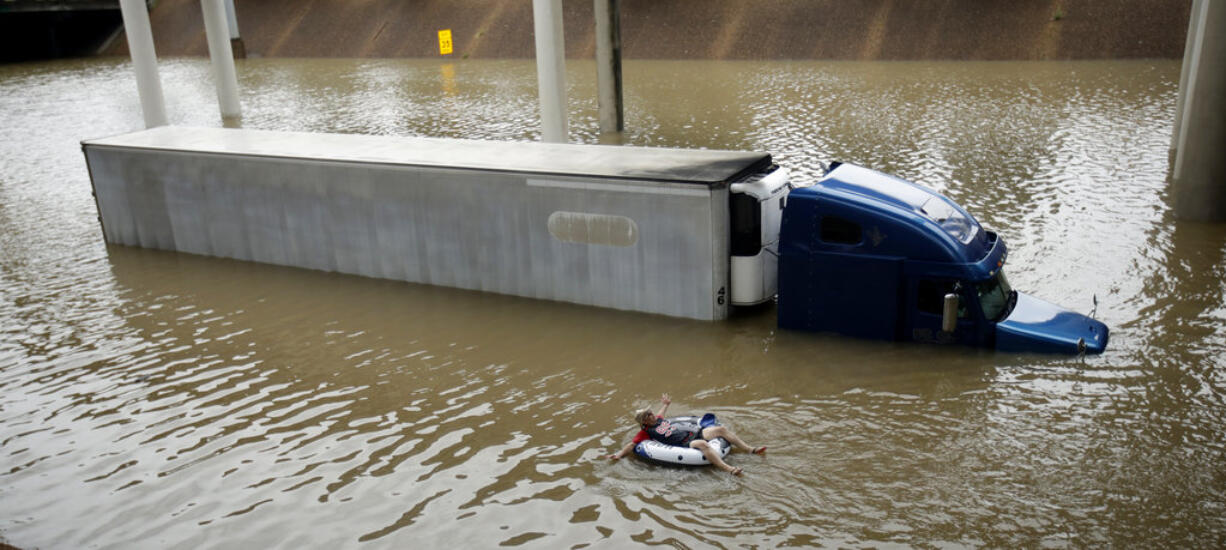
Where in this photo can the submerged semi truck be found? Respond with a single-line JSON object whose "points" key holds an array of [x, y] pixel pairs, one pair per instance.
{"points": [[684, 233]]}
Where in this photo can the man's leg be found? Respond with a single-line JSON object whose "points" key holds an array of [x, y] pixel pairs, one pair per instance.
{"points": [[720, 431], [708, 451]]}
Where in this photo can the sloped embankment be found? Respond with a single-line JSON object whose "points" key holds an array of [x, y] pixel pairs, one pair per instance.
{"points": [[710, 29]]}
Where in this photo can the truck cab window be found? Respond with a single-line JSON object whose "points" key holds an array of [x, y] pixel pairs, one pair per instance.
{"points": [[940, 210], [930, 297], [996, 297], [840, 231]]}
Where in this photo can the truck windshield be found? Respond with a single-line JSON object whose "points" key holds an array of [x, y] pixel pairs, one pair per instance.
{"points": [[939, 210], [996, 297]]}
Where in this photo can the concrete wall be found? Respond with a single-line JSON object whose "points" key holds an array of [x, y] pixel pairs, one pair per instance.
{"points": [[700, 29]]}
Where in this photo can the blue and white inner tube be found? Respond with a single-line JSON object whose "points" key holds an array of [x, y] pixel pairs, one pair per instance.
{"points": [[655, 451]]}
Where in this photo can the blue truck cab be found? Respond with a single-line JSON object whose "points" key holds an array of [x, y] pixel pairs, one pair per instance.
{"points": [[870, 255]]}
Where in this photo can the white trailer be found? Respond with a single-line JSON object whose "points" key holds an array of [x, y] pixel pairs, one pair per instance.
{"points": [[684, 233]]}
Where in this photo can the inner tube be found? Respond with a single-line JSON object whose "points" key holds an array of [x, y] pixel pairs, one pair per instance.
{"points": [[654, 451]]}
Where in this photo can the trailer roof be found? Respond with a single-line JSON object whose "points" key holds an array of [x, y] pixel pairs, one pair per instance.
{"points": [[637, 163]]}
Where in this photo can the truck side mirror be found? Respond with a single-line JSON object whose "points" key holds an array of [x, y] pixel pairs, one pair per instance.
{"points": [[949, 314]]}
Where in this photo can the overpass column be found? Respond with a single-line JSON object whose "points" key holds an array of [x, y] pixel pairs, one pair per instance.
{"points": [[1198, 174], [144, 60], [609, 65], [550, 68], [236, 41], [217, 30]]}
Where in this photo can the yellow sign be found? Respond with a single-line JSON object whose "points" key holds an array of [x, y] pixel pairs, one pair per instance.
{"points": [[444, 42]]}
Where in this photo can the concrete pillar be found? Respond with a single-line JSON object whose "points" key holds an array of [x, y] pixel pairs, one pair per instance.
{"points": [[144, 60], [550, 68], [236, 41], [1198, 174], [231, 19], [1189, 44], [609, 65], [222, 57]]}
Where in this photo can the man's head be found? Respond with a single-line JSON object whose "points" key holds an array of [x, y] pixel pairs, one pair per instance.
{"points": [[646, 418]]}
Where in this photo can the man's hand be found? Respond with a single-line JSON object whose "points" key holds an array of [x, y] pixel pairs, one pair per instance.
{"points": [[664, 406], [621, 453]]}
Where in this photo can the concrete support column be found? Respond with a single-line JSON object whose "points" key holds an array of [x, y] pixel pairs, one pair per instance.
{"points": [[144, 60], [550, 68], [1189, 44], [215, 27], [609, 65], [1198, 174], [236, 41]]}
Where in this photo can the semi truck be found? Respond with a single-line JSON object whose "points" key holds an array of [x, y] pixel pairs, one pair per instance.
{"points": [[683, 233]]}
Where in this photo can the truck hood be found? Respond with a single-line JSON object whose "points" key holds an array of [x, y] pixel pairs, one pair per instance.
{"points": [[1038, 326]]}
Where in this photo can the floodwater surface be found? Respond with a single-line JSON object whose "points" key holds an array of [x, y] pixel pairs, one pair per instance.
{"points": [[152, 399]]}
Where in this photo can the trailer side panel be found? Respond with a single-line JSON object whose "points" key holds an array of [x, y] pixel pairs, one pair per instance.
{"points": [[618, 243]]}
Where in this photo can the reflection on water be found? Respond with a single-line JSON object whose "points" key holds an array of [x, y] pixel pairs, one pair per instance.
{"points": [[151, 399]]}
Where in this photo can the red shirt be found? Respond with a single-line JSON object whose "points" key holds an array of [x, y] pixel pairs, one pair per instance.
{"points": [[641, 437]]}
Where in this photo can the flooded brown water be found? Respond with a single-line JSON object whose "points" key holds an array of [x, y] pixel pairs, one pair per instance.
{"points": [[152, 399]]}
